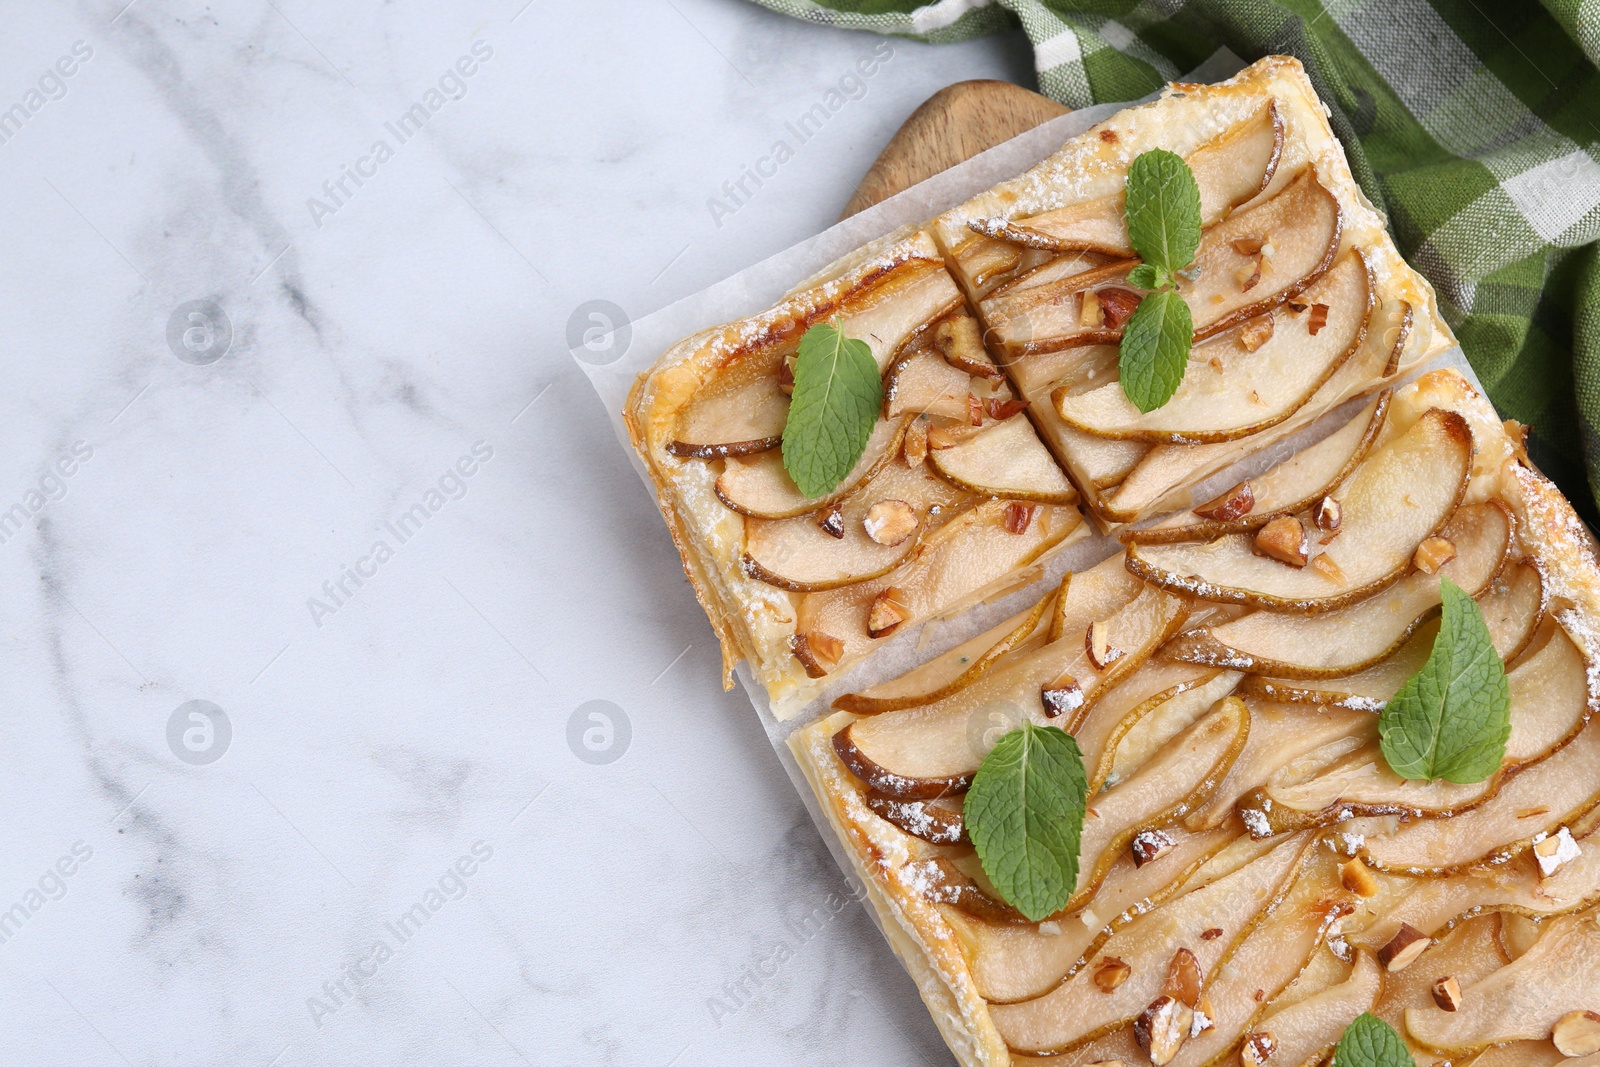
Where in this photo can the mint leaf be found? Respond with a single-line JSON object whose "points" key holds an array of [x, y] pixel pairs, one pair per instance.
{"points": [[1024, 814], [1148, 276], [1451, 719], [1155, 349], [1370, 1042], [1163, 205], [837, 394]]}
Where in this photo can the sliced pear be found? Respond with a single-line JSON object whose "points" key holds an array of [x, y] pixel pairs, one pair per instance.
{"points": [[1281, 490], [1144, 738], [1401, 494], [1514, 608], [799, 555], [1077, 1011], [1229, 170], [922, 383], [1237, 385], [953, 670], [1308, 1029], [937, 822], [1469, 953], [739, 412], [1016, 962], [1354, 638], [1369, 690], [1006, 459], [1523, 999], [760, 487], [934, 749], [1127, 704]]}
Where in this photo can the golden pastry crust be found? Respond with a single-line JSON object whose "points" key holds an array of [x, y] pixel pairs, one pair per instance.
{"points": [[887, 859]]}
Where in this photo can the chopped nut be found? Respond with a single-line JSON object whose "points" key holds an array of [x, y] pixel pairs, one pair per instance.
{"points": [[1211, 934], [1328, 514], [974, 410], [940, 437], [1203, 1016], [960, 342], [1358, 879], [1577, 1033], [1111, 973], [1284, 539], [1018, 516], [888, 611], [832, 522], [1327, 568], [1257, 1048], [1403, 948], [1061, 698], [1183, 977], [1555, 852], [1446, 993], [1268, 250], [786, 376], [1317, 319], [1151, 845], [1097, 641], [1117, 305], [890, 522], [1249, 275], [1162, 1028], [1256, 332], [1231, 505], [817, 651], [1089, 313], [916, 443], [1433, 553], [1298, 306], [1246, 246], [1000, 410]]}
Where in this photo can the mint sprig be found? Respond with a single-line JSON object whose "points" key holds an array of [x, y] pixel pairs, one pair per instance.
{"points": [[837, 394], [1163, 207], [1452, 718], [1370, 1042], [1024, 813]]}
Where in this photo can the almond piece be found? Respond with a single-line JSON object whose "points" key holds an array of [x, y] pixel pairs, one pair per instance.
{"points": [[1283, 539], [1162, 1028], [1246, 246], [1089, 312], [1183, 978], [1317, 319], [1433, 553], [1063, 697], [832, 522], [889, 522], [1403, 948], [1212, 934], [1097, 642], [1233, 504], [1150, 845], [974, 410], [888, 611], [1357, 878], [1577, 1033], [1257, 1048], [1000, 410], [1018, 516], [786, 376], [1327, 568], [1328, 514], [1117, 305], [1256, 332], [1204, 1013], [1111, 973], [818, 652], [1555, 852], [1446, 993], [916, 443], [1249, 275]]}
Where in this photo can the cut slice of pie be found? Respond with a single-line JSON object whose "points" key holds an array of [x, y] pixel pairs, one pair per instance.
{"points": [[953, 499], [1299, 299], [1252, 874]]}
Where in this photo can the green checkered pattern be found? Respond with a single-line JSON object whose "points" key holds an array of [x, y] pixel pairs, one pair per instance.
{"points": [[1473, 124]]}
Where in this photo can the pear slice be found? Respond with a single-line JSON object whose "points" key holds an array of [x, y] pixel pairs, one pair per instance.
{"points": [[935, 749], [1532, 803], [1077, 1011], [1354, 638], [1398, 496], [1308, 1029], [1549, 705], [1237, 384], [1017, 962], [1229, 170], [953, 670], [922, 383], [1279, 735], [1006, 459], [1126, 704], [1523, 999], [1469, 953], [1369, 690], [1283, 489], [760, 487], [937, 822], [1514, 608], [739, 412], [1171, 714], [799, 555]]}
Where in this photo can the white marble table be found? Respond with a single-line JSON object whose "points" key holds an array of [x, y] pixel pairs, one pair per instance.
{"points": [[314, 541]]}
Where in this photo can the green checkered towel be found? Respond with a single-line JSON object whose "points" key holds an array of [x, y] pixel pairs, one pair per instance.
{"points": [[1472, 123]]}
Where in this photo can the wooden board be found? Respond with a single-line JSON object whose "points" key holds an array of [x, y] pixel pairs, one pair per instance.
{"points": [[951, 126]]}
